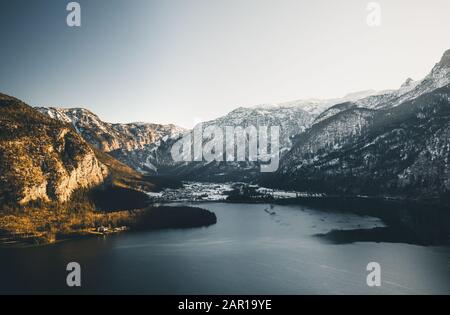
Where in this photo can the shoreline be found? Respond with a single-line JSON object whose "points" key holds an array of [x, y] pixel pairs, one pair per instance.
{"points": [[240, 192], [395, 213], [152, 218]]}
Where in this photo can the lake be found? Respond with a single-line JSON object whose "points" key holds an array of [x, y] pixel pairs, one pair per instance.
{"points": [[253, 249]]}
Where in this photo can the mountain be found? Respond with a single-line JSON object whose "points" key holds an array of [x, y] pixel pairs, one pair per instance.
{"points": [[317, 106], [397, 145], [401, 151], [437, 78], [334, 110], [53, 183], [42, 158], [291, 120], [135, 144], [146, 147], [409, 90], [291, 117], [311, 132]]}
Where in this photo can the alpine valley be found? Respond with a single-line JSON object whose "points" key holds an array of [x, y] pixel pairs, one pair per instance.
{"points": [[64, 171], [376, 143]]}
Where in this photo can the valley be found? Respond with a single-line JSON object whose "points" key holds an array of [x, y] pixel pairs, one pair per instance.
{"points": [[224, 148], [83, 172]]}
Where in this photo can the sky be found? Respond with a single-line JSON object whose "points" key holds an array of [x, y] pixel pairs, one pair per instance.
{"points": [[184, 61]]}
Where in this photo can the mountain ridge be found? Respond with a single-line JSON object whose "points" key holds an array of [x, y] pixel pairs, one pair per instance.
{"points": [[311, 131], [404, 150], [42, 158]]}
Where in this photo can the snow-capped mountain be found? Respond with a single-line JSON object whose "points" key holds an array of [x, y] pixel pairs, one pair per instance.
{"points": [[291, 120], [134, 144], [292, 117], [366, 142], [437, 78], [398, 145], [315, 107], [402, 150]]}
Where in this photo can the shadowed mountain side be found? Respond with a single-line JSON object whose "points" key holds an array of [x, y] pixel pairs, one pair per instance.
{"points": [[401, 151], [52, 182]]}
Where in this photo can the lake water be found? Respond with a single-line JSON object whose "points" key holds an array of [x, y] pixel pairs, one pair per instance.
{"points": [[248, 251]]}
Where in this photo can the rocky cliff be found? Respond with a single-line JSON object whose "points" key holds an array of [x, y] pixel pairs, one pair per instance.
{"points": [[42, 158], [135, 144]]}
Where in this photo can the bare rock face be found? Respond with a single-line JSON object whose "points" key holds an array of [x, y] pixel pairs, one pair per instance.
{"points": [[42, 158], [139, 145], [109, 137]]}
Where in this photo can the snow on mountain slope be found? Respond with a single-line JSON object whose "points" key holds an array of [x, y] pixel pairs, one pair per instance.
{"points": [[437, 78], [109, 137], [395, 143], [316, 106], [292, 117], [291, 120], [402, 150], [323, 126], [135, 144]]}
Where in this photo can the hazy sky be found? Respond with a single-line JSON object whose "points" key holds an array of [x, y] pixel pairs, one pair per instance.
{"points": [[180, 61]]}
